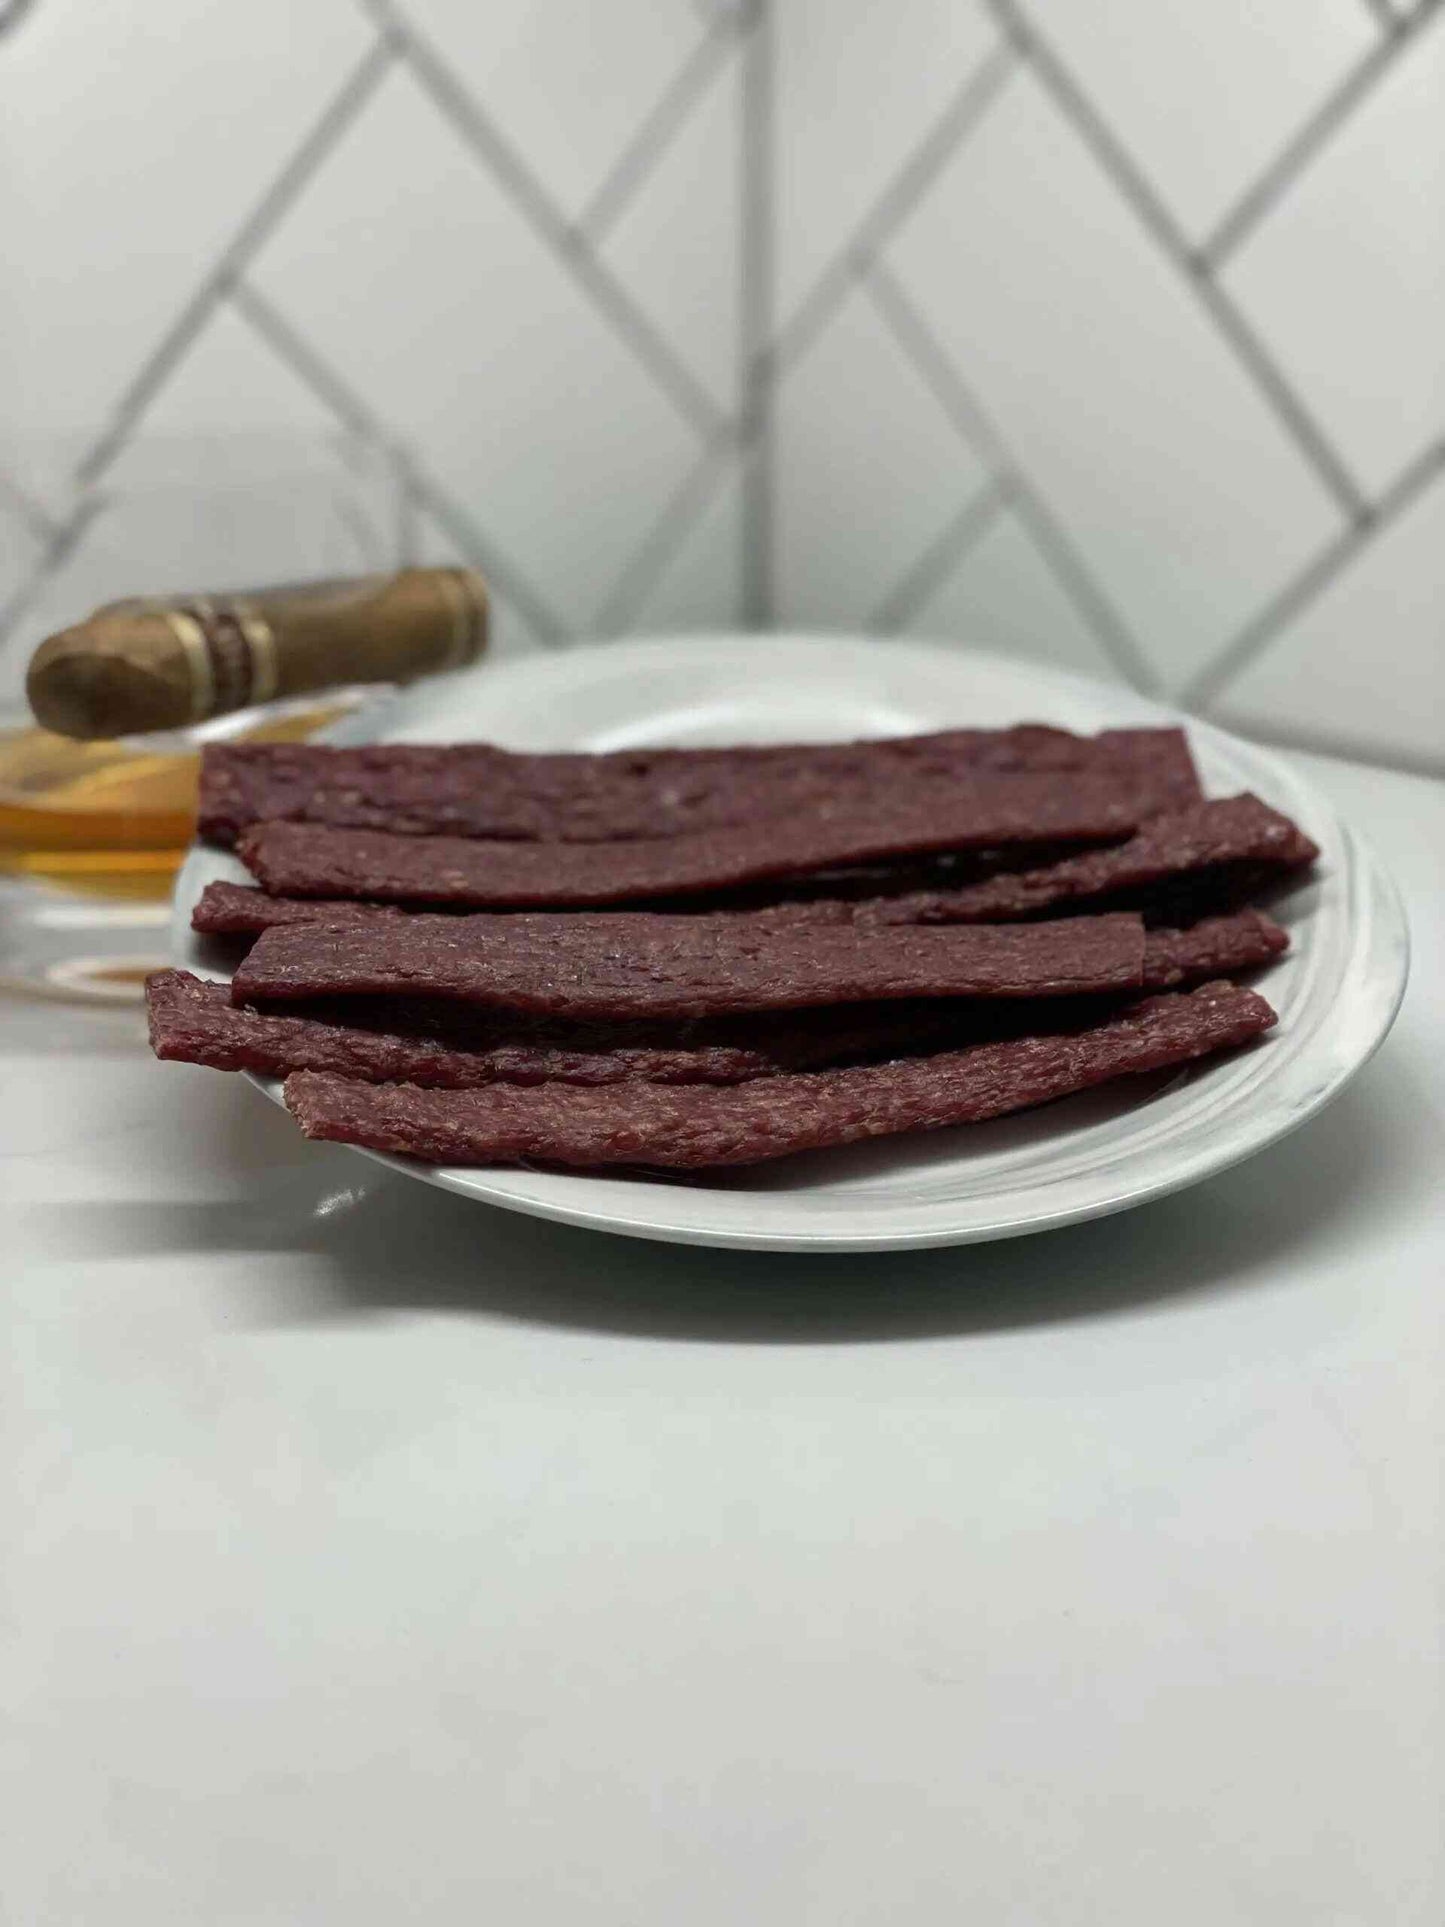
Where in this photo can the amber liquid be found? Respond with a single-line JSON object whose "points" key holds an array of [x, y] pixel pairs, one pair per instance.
{"points": [[110, 819]]}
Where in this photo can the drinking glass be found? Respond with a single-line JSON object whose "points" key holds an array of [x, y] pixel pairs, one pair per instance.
{"points": [[91, 833]]}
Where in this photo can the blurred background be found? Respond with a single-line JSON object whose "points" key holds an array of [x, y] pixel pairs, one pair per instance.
{"points": [[1109, 334]]}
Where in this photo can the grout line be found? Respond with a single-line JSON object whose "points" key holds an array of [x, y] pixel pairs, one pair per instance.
{"points": [[1309, 438], [40, 522], [1070, 572], [757, 289], [960, 405], [1071, 101], [1240, 221], [63, 544], [964, 113], [687, 504], [12, 13], [941, 557], [607, 293], [1383, 14], [658, 130], [1332, 742], [292, 348], [357, 90], [1313, 579]]}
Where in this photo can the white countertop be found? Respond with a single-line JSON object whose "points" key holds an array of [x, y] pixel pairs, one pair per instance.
{"points": [[372, 1556]]}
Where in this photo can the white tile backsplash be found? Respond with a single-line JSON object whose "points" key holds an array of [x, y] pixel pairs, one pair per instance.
{"points": [[674, 245], [1205, 96], [1346, 277], [1005, 596], [870, 471], [857, 89], [1131, 416], [698, 584], [134, 143], [565, 84], [230, 380], [515, 393], [508, 632], [21, 548], [1361, 667], [1174, 297]]}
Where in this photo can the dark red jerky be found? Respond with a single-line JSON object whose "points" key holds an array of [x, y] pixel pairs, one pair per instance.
{"points": [[1213, 947], [476, 789], [639, 965], [243, 910], [1215, 836], [692, 1127], [240, 910], [1170, 861], [1209, 947], [448, 1046], [1162, 756], [306, 860]]}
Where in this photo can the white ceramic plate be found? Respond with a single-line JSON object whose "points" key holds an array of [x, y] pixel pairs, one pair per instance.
{"points": [[1337, 992]]}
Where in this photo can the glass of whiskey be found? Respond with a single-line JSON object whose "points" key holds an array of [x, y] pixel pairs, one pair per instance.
{"points": [[92, 833]]}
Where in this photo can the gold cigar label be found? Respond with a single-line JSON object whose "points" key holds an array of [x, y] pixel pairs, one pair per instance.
{"points": [[167, 662]]}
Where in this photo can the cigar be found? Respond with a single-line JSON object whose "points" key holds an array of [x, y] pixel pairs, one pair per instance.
{"points": [[168, 662]]}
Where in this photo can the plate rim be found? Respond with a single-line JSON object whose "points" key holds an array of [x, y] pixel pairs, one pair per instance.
{"points": [[1380, 922]]}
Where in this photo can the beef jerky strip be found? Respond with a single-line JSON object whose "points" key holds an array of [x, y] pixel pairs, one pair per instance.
{"points": [[698, 1126], [308, 860], [1213, 947], [450, 1047], [637, 965], [243, 910], [1163, 755], [475, 789], [1213, 836], [1233, 835], [240, 910]]}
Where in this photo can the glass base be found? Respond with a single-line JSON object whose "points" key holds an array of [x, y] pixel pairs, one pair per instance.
{"points": [[58, 943]]}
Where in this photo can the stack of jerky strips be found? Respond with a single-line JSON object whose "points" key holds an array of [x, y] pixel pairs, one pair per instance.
{"points": [[689, 958]]}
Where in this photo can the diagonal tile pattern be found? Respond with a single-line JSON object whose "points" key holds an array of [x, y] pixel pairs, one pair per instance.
{"points": [[561, 99], [859, 104], [120, 193], [1203, 97], [1322, 274], [1004, 593], [670, 235], [507, 380], [858, 426], [1168, 328], [1357, 667], [1104, 333], [1101, 380]]}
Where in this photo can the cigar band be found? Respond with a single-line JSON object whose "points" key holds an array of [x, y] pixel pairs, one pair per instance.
{"points": [[467, 610], [230, 650], [260, 639], [192, 638]]}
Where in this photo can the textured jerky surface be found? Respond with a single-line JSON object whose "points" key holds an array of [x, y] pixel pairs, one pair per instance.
{"points": [[307, 860], [1213, 947], [1233, 831], [474, 789], [450, 1047], [697, 1126], [240, 910], [1236, 838], [639, 965]]}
